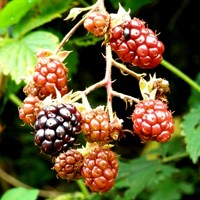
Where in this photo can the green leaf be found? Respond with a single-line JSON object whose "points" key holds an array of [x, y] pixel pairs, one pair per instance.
{"points": [[195, 95], [19, 56], [14, 11], [85, 41], [170, 190], [20, 193], [41, 14], [191, 130], [135, 175]]}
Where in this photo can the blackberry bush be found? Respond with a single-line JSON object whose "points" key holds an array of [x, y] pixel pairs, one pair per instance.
{"points": [[59, 115]]}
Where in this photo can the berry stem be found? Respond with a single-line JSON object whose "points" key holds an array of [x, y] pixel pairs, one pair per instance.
{"points": [[98, 4], [15, 99], [68, 35], [83, 188], [125, 97], [108, 80], [180, 74], [124, 70], [175, 157]]}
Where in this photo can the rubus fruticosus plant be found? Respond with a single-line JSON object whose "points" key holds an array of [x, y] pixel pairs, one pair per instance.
{"points": [[59, 115]]}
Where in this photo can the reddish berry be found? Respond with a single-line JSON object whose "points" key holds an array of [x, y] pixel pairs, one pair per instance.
{"points": [[57, 128], [29, 109], [95, 125], [68, 165], [100, 168], [136, 44], [97, 23], [152, 121], [50, 74]]}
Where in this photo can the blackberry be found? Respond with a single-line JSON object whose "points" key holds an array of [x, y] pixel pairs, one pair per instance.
{"points": [[29, 109], [57, 128], [100, 168], [95, 125], [136, 44], [49, 74], [152, 121], [97, 23], [68, 165]]}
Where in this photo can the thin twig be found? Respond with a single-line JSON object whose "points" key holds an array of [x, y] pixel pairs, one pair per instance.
{"points": [[123, 68], [15, 182]]}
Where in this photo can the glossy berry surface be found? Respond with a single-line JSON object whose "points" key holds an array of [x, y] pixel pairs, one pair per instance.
{"points": [[56, 128], [95, 125], [152, 121], [97, 23], [68, 165], [136, 44], [100, 168], [29, 109], [50, 74]]}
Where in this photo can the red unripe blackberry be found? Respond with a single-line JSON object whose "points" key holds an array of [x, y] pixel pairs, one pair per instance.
{"points": [[100, 168], [136, 44], [152, 121], [68, 165], [95, 125], [97, 23], [29, 109], [49, 74], [57, 128]]}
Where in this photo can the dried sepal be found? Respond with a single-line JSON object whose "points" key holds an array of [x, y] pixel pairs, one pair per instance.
{"points": [[155, 88], [120, 17]]}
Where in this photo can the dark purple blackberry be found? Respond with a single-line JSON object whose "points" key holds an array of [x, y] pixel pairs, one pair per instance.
{"points": [[57, 128]]}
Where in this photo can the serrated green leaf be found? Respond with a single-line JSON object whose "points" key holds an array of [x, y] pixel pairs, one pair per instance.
{"points": [[19, 193], [41, 14], [191, 130], [17, 56], [137, 174], [170, 190], [14, 11]]}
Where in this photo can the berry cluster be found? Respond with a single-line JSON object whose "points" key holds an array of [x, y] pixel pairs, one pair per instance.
{"points": [[130, 39], [58, 118]]}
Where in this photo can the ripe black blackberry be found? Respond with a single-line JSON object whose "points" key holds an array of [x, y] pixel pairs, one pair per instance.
{"points": [[57, 128]]}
